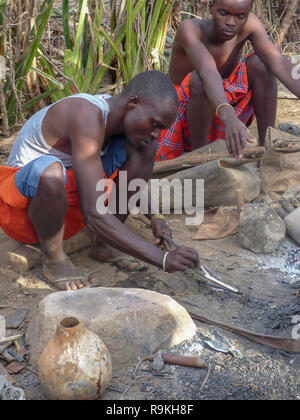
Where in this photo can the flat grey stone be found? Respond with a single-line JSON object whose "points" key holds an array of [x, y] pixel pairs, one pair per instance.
{"points": [[17, 318], [261, 230], [131, 322]]}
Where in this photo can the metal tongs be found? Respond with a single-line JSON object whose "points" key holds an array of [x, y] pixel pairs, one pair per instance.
{"points": [[214, 277], [206, 272]]}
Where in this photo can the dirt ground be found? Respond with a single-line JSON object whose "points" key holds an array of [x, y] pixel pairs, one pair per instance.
{"points": [[266, 304]]}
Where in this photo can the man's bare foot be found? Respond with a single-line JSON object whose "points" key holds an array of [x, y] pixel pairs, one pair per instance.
{"points": [[65, 276], [106, 253]]}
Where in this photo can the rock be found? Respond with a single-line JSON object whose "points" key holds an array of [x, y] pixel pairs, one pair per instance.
{"points": [[292, 194], [3, 371], [290, 128], [131, 322], [292, 223], [9, 392], [17, 318], [2, 327], [261, 229]]}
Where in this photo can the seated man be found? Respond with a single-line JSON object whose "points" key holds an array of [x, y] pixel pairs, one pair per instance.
{"points": [[48, 190], [221, 92]]}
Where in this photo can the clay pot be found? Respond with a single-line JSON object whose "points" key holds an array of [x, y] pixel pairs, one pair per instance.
{"points": [[75, 364]]}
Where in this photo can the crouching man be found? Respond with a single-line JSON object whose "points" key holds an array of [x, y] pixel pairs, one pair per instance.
{"points": [[48, 190]]}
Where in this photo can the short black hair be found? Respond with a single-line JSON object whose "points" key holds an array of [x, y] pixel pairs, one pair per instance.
{"points": [[152, 83]]}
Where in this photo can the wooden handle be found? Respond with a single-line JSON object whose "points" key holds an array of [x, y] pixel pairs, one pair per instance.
{"points": [[184, 361], [240, 199]]}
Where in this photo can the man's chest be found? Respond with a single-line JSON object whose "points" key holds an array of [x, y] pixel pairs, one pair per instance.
{"points": [[227, 56]]}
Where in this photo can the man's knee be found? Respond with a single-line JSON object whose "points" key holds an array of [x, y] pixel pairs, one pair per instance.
{"points": [[48, 197], [52, 180], [46, 169], [196, 86], [257, 68]]}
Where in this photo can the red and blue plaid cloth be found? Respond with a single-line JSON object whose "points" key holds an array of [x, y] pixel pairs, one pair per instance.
{"points": [[175, 141]]}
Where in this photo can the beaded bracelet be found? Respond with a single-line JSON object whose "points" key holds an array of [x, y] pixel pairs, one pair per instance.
{"points": [[158, 216]]}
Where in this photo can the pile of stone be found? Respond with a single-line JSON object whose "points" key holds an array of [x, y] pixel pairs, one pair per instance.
{"points": [[263, 226]]}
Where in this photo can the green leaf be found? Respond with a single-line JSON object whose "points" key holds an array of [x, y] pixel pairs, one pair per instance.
{"points": [[117, 43], [47, 68], [78, 37], [24, 67], [44, 95], [116, 50], [66, 18], [36, 42], [48, 77], [2, 9], [68, 70], [129, 37]]}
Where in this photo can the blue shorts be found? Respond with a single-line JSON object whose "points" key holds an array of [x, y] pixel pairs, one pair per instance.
{"points": [[27, 179]]}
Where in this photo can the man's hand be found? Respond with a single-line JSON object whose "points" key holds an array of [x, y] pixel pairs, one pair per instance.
{"points": [[237, 135], [182, 259], [160, 226]]}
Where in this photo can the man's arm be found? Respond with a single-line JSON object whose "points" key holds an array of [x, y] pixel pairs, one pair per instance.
{"points": [[87, 136], [189, 38], [281, 66]]}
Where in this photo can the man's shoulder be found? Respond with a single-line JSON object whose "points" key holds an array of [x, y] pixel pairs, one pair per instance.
{"points": [[194, 22], [76, 107], [195, 26], [253, 24], [76, 114]]}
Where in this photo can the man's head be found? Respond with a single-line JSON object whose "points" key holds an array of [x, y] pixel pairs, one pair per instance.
{"points": [[152, 105], [230, 16]]}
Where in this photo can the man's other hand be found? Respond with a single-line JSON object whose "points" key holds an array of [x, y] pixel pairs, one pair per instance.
{"points": [[160, 226], [237, 137]]}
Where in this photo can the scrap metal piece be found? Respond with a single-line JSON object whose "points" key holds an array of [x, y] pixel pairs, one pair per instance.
{"points": [[223, 345], [214, 277], [158, 361], [17, 318]]}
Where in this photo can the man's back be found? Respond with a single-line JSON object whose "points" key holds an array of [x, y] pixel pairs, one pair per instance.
{"points": [[46, 132]]}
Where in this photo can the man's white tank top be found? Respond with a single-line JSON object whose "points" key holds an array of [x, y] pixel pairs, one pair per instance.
{"points": [[30, 143]]}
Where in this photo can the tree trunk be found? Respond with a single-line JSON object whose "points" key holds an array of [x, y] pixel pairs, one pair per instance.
{"points": [[200, 8], [4, 120], [289, 15], [176, 15]]}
